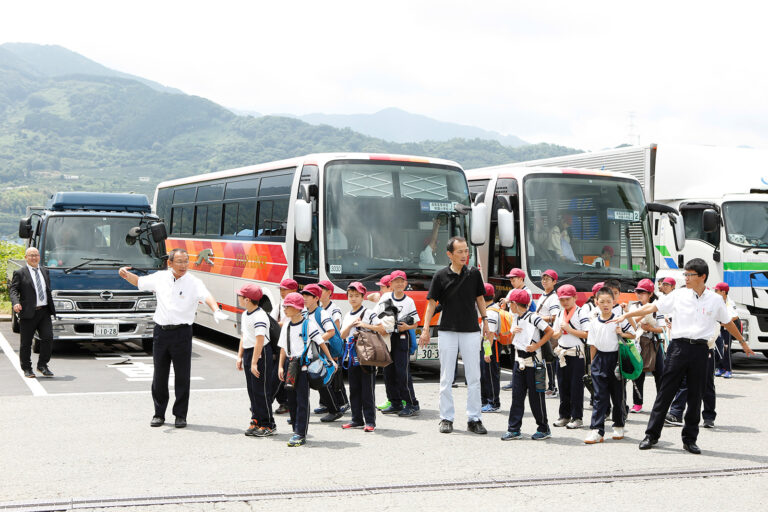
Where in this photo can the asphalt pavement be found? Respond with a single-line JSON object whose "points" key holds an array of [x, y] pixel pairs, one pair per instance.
{"points": [[84, 436]]}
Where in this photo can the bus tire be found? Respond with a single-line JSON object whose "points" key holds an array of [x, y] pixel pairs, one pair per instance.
{"points": [[146, 344]]}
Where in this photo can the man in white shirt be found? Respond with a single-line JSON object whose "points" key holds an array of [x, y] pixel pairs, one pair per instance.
{"points": [[696, 311], [178, 293]]}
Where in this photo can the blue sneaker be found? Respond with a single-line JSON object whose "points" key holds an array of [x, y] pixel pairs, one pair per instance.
{"points": [[490, 408], [297, 440], [718, 372], [538, 436], [509, 436], [727, 375]]}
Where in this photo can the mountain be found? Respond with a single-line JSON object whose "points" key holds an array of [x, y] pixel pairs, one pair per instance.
{"points": [[54, 60], [106, 132], [401, 126]]}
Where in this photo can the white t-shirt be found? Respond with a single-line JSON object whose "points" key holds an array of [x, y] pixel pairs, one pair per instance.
{"points": [[529, 323], [177, 299], [368, 316], [493, 320], [333, 311], [255, 323], [326, 322], [695, 316], [426, 256], [297, 342], [579, 321], [658, 319], [405, 307], [530, 293], [603, 335], [549, 304]]}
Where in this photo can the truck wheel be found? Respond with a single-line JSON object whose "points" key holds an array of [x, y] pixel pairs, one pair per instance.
{"points": [[147, 345], [36, 346]]}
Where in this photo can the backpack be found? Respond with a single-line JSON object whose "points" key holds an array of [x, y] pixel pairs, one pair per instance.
{"points": [[336, 343], [505, 326], [320, 370], [274, 335]]}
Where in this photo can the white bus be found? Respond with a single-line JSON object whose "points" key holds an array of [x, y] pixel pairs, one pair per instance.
{"points": [[604, 213], [341, 217]]}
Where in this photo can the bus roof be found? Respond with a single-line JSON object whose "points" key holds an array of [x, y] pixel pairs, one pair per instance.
{"points": [[313, 159], [515, 171]]}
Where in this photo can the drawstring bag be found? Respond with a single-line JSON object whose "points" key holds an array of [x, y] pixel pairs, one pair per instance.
{"points": [[630, 362]]}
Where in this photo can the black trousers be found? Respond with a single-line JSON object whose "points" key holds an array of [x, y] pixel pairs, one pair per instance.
{"points": [[298, 403], [490, 377], [334, 395], [397, 376], [708, 397], [172, 347], [362, 386], [684, 360], [40, 323], [525, 382], [571, 379], [275, 385], [637, 387], [723, 351], [258, 387], [608, 390]]}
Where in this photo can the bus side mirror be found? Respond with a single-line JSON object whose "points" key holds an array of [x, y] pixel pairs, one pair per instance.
{"points": [[302, 220], [479, 227], [506, 220], [25, 228], [678, 230], [158, 231], [709, 220]]}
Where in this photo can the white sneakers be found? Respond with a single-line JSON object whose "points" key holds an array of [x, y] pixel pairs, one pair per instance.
{"points": [[593, 437], [575, 424], [618, 433], [561, 422]]}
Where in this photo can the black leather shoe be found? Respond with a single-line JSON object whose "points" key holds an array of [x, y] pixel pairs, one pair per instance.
{"points": [[29, 374], [692, 448], [331, 416], [476, 427], [446, 427], [180, 422], [157, 421], [647, 443], [45, 371]]}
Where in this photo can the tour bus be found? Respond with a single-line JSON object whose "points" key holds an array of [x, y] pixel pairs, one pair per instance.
{"points": [[531, 208], [341, 217]]}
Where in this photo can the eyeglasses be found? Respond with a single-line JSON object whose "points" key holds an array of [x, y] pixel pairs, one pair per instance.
{"points": [[690, 274]]}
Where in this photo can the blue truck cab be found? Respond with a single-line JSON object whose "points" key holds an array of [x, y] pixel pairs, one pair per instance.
{"points": [[83, 239]]}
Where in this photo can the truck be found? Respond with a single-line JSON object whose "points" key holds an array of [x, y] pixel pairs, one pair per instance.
{"points": [[722, 195], [83, 238]]}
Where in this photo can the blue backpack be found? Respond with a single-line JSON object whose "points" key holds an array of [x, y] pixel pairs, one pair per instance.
{"points": [[320, 369], [413, 342], [336, 343]]}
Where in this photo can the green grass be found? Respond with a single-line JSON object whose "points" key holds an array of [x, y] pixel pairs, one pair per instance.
{"points": [[5, 307]]}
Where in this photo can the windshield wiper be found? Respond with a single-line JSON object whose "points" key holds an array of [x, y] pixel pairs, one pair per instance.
{"points": [[112, 263]]}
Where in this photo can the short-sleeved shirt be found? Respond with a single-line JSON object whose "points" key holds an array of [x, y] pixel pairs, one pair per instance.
{"points": [[177, 299], [297, 341], [326, 322], [334, 311], [253, 324], [459, 304], [579, 321], [658, 320], [529, 323], [549, 304], [603, 335], [368, 316], [695, 316], [405, 306], [493, 319]]}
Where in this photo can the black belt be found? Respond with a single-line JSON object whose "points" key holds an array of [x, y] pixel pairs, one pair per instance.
{"points": [[172, 327], [525, 355], [691, 341], [38, 308]]}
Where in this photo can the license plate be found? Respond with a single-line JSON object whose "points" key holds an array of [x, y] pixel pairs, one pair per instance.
{"points": [[428, 352], [105, 330]]}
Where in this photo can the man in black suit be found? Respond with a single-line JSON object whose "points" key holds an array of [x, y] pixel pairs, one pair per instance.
{"points": [[31, 297]]}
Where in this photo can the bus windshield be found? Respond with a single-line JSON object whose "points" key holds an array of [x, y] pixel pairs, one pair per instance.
{"points": [[587, 228], [746, 223], [381, 216], [72, 240]]}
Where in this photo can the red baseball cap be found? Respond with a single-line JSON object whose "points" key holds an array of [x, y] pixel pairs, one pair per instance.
{"points": [[384, 281], [722, 287], [551, 273], [567, 290], [313, 290], [516, 272], [608, 249], [251, 291], [289, 284], [489, 290], [645, 285], [520, 297], [669, 280], [326, 284], [398, 274], [358, 287], [295, 300], [597, 286]]}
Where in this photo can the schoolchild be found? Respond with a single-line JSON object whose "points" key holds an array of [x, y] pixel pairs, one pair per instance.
{"points": [[516, 278], [723, 343], [524, 374], [651, 326], [569, 330], [384, 287], [292, 346], [254, 355], [490, 371], [362, 379], [397, 376], [333, 398], [548, 308], [277, 390], [615, 286], [609, 388]]}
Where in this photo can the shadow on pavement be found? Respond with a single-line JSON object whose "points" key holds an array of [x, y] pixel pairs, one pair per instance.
{"points": [[209, 428]]}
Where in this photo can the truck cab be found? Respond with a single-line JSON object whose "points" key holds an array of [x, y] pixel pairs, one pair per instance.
{"points": [[83, 239]]}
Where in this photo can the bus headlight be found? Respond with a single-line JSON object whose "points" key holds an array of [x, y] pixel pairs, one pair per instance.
{"points": [[63, 305], [147, 304]]}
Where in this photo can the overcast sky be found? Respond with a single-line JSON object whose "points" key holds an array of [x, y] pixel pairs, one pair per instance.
{"points": [[547, 71]]}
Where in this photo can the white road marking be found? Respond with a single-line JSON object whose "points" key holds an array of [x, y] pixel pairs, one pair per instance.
{"points": [[142, 392], [199, 343], [33, 384]]}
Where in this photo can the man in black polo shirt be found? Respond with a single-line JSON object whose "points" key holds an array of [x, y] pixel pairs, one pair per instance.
{"points": [[459, 290]]}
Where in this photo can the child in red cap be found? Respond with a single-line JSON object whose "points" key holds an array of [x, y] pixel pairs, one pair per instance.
{"points": [[490, 371], [649, 332]]}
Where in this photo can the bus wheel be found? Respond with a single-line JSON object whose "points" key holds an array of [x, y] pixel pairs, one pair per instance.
{"points": [[146, 344]]}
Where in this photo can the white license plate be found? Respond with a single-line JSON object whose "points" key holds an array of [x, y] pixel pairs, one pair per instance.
{"points": [[105, 330], [428, 352]]}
